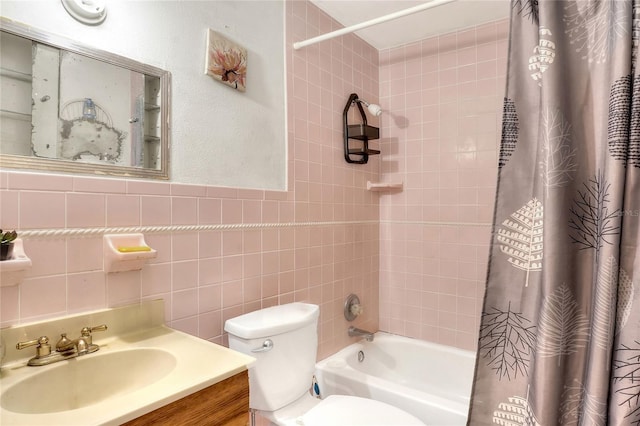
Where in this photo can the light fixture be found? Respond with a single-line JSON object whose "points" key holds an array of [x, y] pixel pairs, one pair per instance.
{"points": [[90, 12], [374, 109]]}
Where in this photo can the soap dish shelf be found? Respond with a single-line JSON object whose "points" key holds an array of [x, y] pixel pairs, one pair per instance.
{"points": [[126, 252], [384, 186], [12, 270], [361, 132]]}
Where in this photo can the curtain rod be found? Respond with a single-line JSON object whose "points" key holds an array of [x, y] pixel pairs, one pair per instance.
{"points": [[371, 22]]}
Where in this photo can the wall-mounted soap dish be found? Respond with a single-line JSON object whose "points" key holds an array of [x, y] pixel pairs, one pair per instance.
{"points": [[384, 186], [126, 252], [12, 270]]}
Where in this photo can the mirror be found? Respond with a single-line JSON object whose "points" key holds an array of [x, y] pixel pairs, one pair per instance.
{"points": [[70, 108]]}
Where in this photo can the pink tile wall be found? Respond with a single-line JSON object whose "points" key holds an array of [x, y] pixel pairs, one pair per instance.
{"points": [[206, 277], [444, 98]]}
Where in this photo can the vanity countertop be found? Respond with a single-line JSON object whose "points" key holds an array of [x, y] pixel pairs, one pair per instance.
{"points": [[198, 364]]}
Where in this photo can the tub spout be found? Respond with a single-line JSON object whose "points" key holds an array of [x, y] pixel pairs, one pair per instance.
{"points": [[356, 332]]}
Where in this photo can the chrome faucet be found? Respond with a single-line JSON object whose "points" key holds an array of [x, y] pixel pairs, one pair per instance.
{"points": [[65, 348], [356, 332]]}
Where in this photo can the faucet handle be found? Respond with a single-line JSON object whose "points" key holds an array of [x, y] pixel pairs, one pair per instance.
{"points": [[43, 347], [86, 332], [357, 309]]}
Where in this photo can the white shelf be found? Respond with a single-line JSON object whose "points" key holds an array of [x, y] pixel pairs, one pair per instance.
{"points": [[16, 75], [14, 115], [12, 270], [126, 252], [384, 186]]}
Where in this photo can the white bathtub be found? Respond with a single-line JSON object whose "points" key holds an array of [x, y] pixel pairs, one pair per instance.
{"points": [[431, 381]]}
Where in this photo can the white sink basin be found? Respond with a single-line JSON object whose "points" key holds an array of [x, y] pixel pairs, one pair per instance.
{"points": [[87, 380]]}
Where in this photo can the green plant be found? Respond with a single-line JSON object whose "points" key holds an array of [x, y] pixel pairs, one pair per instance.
{"points": [[8, 236]]}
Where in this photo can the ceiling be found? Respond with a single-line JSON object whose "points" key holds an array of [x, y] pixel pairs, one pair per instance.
{"points": [[438, 20]]}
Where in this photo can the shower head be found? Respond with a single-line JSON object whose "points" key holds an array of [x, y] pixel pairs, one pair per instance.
{"points": [[374, 109]]}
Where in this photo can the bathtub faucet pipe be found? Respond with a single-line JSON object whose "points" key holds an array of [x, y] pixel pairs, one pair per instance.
{"points": [[356, 332]]}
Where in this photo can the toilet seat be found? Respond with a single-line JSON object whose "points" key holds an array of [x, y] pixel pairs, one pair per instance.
{"points": [[342, 410]]}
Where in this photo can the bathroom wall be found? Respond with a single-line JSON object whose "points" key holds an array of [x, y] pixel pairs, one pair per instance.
{"points": [[214, 128], [441, 133], [221, 251], [320, 240]]}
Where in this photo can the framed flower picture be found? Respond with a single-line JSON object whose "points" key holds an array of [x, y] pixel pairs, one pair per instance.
{"points": [[226, 61]]}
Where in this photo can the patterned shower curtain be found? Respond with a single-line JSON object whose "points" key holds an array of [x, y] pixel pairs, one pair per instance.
{"points": [[560, 331]]}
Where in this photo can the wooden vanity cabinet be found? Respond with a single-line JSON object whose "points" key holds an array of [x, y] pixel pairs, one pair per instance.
{"points": [[225, 403]]}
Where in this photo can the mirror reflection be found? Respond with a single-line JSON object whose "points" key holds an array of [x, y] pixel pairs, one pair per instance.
{"points": [[70, 111]]}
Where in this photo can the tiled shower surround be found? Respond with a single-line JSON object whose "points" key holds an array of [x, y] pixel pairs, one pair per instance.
{"points": [[323, 238], [444, 101]]}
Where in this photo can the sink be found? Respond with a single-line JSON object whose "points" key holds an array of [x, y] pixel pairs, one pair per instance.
{"points": [[87, 380], [142, 365]]}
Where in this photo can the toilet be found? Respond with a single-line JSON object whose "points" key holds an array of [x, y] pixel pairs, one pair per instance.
{"points": [[284, 341]]}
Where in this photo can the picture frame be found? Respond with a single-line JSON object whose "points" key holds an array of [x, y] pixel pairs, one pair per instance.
{"points": [[226, 61]]}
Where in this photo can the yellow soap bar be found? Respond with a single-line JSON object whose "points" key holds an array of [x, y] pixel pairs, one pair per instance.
{"points": [[133, 249]]}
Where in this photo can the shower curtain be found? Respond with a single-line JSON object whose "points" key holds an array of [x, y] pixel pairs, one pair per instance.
{"points": [[559, 339]]}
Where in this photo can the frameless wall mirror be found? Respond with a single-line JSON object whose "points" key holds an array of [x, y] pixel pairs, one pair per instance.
{"points": [[71, 108]]}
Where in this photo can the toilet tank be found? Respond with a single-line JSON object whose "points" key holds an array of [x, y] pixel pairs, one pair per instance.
{"points": [[283, 373]]}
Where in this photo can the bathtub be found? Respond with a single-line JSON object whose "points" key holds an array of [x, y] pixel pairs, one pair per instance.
{"points": [[431, 381]]}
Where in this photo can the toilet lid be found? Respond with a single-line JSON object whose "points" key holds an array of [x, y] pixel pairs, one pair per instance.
{"points": [[341, 410]]}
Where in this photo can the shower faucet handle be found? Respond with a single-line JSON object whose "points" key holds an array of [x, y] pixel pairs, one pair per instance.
{"points": [[357, 309], [352, 307]]}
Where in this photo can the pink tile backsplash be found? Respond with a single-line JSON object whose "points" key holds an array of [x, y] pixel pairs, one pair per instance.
{"points": [[43, 296], [85, 210], [85, 291], [184, 304], [184, 211], [39, 181], [9, 208], [123, 288], [209, 298], [416, 273], [184, 275], [155, 210], [123, 210], [48, 257], [178, 189], [34, 203], [144, 187], [4, 178], [84, 254], [156, 279], [209, 271], [209, 211], [184, 246], [162, 244], [93, 184], [231, 211], [210, 244]]}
